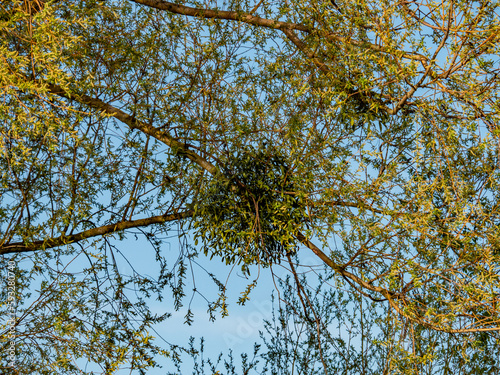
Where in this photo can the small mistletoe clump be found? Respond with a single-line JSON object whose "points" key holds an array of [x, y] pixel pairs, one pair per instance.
{"points": [[251, 210]]}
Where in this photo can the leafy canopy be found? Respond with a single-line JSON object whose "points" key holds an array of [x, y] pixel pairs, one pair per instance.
{"points": [[366, 135]]}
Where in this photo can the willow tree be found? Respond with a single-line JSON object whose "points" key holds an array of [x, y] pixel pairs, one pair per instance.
{"points": [[364, 134]]}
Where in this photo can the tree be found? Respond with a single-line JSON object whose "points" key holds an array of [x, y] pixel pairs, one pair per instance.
{"points": [[364, 133]]}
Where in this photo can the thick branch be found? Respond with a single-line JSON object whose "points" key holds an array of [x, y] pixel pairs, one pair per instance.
{"points": [[303, 48], [221, 15], [339, 269], [19, 247], [392, 297], [133, 123], [264, 22]]}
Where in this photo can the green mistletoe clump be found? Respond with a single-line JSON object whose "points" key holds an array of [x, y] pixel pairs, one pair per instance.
{"points": [[251, 211]]}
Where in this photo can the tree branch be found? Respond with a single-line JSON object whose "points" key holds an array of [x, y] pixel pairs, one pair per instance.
{"points": [[221, 15], [391, 297], [339, 269], [264, 22], [20, 247], [133, 123]]}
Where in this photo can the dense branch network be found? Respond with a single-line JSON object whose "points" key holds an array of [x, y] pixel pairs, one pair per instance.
{"points": [[310, 41]]}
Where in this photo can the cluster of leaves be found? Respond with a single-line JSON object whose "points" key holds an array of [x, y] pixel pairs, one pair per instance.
{"points": [[251, 210]]}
